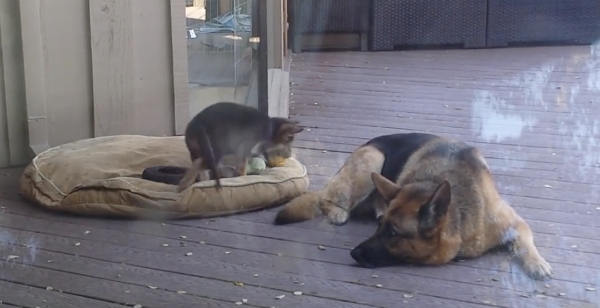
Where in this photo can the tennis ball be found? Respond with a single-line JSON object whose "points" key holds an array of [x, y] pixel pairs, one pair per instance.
{"points": [[276, 161], [255, 166]]}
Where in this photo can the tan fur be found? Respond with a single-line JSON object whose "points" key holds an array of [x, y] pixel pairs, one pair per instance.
{"points": [[303, 207], [346, 190], [445, 205]]}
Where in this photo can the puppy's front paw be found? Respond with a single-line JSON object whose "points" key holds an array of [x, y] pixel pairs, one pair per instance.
{"points": [[537, 268], [181, 187]]}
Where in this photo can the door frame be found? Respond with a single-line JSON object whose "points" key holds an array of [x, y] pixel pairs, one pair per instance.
{"points": [[263, 54]]}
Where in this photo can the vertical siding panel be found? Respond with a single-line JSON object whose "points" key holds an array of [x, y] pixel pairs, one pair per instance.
{"points": [[35, 74], [153, 67], [13, 85], [111, 30], [4, 146], [180, 66], [66, 33]]}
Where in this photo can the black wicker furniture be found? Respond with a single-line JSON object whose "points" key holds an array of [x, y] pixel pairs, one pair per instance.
{"points": [[428, 22], [327, 16], [542, 21]]}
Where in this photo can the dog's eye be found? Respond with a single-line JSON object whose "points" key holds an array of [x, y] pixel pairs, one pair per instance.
{"points": [[390, 232]]}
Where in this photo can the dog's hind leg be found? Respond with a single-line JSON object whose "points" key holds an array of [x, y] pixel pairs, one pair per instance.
{"points": [[190, 175], [351, 184]]}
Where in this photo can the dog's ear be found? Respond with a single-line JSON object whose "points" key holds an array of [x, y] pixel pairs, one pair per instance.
{"points": [[436, 208], [385, 187]]}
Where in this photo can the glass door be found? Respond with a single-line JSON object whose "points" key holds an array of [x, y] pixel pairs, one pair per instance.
{"points": [[225, 53]]}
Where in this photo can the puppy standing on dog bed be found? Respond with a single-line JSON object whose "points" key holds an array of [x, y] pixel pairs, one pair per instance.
{"points": [[227, 128], [272, 157]]}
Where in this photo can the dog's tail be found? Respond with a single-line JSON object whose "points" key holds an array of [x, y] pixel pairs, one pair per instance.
{"points": [[301, 208], [209, 156]]}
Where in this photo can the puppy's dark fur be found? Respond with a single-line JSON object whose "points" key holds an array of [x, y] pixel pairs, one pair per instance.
{"points": [[227, 128]]}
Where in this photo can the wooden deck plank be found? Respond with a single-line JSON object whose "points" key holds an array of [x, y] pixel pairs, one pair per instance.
{"points": [[136, 275], [419, 285], [147, 256], [530, 110], [252, 241], [416, 119], [19, 295], [521, 152], [134, 269], [73, 282], [243, 245], [378, 128]]}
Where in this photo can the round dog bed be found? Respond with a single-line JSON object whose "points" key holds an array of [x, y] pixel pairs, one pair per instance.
{"points": [[103, 177]]}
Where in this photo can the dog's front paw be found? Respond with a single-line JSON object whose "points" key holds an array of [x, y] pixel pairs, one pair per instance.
{"points": [[537, 268], [338, 216]]}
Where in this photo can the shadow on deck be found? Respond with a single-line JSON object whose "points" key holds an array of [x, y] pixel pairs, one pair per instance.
{"points": [[532, 111]]}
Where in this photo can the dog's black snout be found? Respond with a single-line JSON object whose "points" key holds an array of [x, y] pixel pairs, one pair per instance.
{"points": [[357, 253]]}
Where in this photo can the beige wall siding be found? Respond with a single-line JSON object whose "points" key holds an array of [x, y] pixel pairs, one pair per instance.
{"points": [[75, 69], [14, 144], [132, 66], [152, 43], [67, 70]]}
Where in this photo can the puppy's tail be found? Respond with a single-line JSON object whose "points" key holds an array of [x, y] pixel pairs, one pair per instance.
{"points": [[301, 208], [207, 149]]}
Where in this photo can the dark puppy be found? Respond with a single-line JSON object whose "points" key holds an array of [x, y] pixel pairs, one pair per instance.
{"points": [[232, 129]]}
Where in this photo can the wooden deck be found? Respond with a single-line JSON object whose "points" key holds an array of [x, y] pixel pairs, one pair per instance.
{"points": [[533, 111]]}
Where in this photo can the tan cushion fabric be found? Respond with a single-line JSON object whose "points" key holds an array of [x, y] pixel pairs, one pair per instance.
{"points": [[102, 177]]}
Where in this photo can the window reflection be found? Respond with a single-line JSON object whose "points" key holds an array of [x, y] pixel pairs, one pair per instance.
{"points": [[221, 53]]}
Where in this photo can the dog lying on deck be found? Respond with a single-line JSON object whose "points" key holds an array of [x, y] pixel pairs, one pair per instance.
{"points": [[435, 200]]}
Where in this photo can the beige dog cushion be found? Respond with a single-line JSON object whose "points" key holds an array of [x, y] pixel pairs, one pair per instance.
{"points": [[102, 177]]}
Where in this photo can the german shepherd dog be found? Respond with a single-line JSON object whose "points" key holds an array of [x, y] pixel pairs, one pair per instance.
{"points": [[231, 129], [434, 198]]}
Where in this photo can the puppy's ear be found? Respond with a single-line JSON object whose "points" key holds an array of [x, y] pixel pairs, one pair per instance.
{"points": [[385, 187], [298, 129], [434, 211], [291, 127], [287, 130]]}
